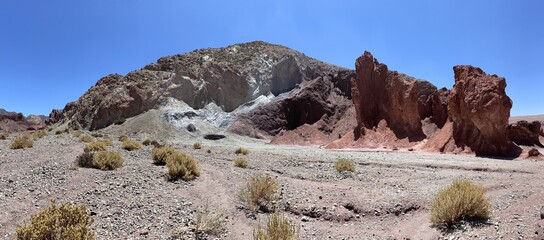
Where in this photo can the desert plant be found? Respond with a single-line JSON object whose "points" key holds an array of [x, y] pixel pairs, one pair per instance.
{"points": [[344, 165], [260, 193], [197, 145], [131, 145], [96, 146], [119, 121], [23, 141], [76, 133], [97, 135], [86, 138], [122, 138], [160, 154], [107, 141], [39, 134], [277, 228], [462, 200], [182, 166], [242, 150], [240, 162], [4, 135], [209, 223], [107, 160], [66, 221], [85, 160]]}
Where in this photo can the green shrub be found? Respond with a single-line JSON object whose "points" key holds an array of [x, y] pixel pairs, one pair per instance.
{"points": [[197, 145], [86, 138], [344, 165], [242, 150], [96, 146], [260, 193], [4, 135], [240, 162], [66, 221], [462, 200], [107, 160], [24, 141], [182, 166], [277, 228], [160, 154], [131, 145], [119, 121]]}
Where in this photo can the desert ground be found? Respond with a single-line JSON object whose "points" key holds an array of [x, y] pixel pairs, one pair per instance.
{"points": [[388, 197]]}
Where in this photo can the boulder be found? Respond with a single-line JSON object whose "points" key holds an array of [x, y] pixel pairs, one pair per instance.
{"points": [[479, 109], [525, 133]]}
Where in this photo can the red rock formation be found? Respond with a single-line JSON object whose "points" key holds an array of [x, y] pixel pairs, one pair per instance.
{"points": [[402, 101], [12, 121], [525, 133], [479, 108]]}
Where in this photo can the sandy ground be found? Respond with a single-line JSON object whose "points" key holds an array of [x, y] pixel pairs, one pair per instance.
{"points": [[387, 198]]}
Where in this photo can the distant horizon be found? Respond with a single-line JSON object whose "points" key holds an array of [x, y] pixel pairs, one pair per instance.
{"points": [[53, 52]]}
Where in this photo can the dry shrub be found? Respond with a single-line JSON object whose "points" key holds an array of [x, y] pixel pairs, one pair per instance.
{"points": [[107, 160], [39, 134], [66, 221], [344, 165], [4, 135], [107, 141], [260, 193], [242, 150], [76, 133], [182, 166], [154, 143], [21, 142], [197, 145], [86, 138], [123, 138], [462, 200], [131, 145], [277, 228], [160, 154], [147, 142], [86, 160], [97, 135], [209, 223], [96, 146], [240, 162]]}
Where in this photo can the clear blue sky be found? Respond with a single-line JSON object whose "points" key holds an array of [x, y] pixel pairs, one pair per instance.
{"points": [[51, 52]]}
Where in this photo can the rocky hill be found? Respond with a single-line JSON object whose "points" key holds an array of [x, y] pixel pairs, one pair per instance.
{"points": [[13, 121], [227, 77]]}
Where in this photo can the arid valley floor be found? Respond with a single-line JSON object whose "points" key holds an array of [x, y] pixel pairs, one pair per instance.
{"points": [[388, 197]]}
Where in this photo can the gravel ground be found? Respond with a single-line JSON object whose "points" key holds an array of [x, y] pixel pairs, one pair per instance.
{"points": [[388, 197]]}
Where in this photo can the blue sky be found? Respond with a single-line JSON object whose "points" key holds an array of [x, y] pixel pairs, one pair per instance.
{"points": [[51, 52]]}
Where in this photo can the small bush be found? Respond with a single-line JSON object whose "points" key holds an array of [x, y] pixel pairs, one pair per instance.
{"points": [[97, 135], [119, 121], [86, 138], [66, 221], [96, 146], [39, 134], [209, 223], [131, 145], [107, 141], [463, 200], [277, 228], [107, 160], [260, 193], [86, 160], [197, 145], [344, 165], [160, 154], [21, 142], [242, 150], [240, 162], [122, 138], [146, 142], [182, 166], [58, 132], [4, 135]]}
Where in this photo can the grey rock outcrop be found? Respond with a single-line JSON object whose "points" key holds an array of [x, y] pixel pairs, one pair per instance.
{"points": [[228, 77]]}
